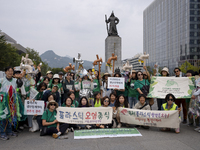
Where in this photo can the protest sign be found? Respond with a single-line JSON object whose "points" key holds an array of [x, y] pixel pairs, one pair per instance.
{"points": [[101, 133], [180, 87], [90, 115], [33, 107], [115, 83], [33, 93], [168, 119]]}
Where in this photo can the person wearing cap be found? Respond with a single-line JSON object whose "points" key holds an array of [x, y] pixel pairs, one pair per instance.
{"points": [[132, 93], [68, 85], [54, 128], [49, 74], [54, 90], [56, 81], [164, 73], [61, 76], [104, 88]]}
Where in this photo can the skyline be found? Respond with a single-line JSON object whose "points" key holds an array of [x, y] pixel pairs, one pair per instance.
{"points": [[68, 27]]}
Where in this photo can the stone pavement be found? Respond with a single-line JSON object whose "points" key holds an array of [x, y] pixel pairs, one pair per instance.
{"points": [[151, 139]]}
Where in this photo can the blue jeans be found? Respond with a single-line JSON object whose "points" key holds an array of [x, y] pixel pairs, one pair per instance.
{"points": [[131, 101], [3, 125]]}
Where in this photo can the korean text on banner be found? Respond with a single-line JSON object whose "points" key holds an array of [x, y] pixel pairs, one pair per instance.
{"points": [[167, 119], [180, 87], [116, 83], [33, 107], [90, 115]]}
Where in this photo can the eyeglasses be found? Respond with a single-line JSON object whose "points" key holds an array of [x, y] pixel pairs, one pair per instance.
{"points": [[52, 104], [170, 100], [106, 101]]}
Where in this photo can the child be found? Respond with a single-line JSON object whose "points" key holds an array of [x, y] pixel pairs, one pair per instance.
{"points": [[83, 103], [112, 99], [170, 105], [142, 105], [120, 102]]}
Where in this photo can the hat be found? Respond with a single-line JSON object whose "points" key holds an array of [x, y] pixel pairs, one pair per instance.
{"points": [[165, 69], [52, 101], [133, 71], [49, 72], [56, 76], [60, 73], [56, 86], [106, 74]]}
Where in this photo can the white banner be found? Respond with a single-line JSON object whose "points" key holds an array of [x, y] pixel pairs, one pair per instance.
{"points": [[90, 115], [167, 119], [116, 83], [180, 87], [33, 107], [33, 93]]}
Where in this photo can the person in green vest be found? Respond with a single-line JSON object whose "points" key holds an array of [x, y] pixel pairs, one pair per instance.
{"points": [[75, 103], [169, 106], [132, 92], [49, 74]]}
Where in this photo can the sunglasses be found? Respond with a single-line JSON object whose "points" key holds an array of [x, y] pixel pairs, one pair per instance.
{"points": [[42, 89], [140, 74], [176, 71], [52, 104], [106, 101], [170, 100]]}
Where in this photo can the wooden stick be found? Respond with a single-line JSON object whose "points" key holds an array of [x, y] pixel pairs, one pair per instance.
{"points": [[113, 65]]}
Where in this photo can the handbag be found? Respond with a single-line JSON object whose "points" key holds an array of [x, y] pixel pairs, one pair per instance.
{"points": [[44, 128], [145, 88]]}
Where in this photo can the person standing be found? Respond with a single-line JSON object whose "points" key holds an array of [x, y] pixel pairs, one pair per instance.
{"points": [[178, 102]]}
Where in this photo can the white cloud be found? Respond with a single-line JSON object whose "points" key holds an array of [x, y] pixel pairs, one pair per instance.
{"points": [[68, 27]]}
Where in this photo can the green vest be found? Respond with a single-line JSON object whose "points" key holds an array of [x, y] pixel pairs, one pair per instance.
{"points": [[166, 109]]}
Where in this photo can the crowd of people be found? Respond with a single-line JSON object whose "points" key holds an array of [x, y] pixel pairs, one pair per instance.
{"points": [[73, 90]]}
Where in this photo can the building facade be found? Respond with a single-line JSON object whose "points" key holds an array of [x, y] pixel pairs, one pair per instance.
{"points": [[171, 32], [134, 61]]}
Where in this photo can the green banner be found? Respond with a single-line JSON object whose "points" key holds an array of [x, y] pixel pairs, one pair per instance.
{"points": [[101, 133]]}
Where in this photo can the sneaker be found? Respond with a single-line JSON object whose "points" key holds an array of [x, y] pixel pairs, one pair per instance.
{"points": [[12, 134], [31, 130], [88, 126], [66, 131], [21, 127], [55, 136], [177, 130], [72, 129], [63, 137], [190, 124], [197, 129], [4, 137], [119, 125]]}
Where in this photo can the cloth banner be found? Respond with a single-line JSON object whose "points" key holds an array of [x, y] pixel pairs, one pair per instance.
{"points": [[116, 83], [101, 133], [90, 115], [33, 107], [180, 87], [167, 119]]}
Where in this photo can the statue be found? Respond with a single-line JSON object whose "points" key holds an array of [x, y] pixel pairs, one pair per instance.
{"points": [[112, 31]]}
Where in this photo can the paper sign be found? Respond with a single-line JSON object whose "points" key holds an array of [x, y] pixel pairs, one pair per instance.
{"points": [[33, 107], [116, 83]]}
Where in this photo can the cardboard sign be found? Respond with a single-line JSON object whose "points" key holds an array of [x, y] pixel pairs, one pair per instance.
{"points": [[33, 107]]}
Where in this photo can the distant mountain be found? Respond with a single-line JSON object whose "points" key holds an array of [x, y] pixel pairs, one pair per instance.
{"points": [[55, 61]]}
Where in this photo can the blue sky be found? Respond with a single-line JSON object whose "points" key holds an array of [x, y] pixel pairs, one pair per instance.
{"points": [[68, 27]]}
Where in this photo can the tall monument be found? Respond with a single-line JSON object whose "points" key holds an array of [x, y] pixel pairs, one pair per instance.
{"points": [[113, 41]]}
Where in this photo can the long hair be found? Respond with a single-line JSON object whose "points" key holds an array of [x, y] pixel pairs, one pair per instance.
{"points": [[80, 104], [117, 103]]}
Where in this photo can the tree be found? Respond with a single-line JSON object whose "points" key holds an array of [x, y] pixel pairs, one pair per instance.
{"points": [[9, 55], [186, 66]]}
